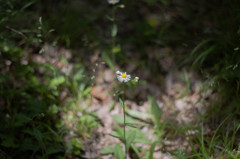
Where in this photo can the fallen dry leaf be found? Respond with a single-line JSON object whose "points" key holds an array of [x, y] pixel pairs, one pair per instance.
{"points": [[99, 93]]}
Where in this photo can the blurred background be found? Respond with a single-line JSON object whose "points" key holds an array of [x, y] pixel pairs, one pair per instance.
{"points": [[58, 88]]}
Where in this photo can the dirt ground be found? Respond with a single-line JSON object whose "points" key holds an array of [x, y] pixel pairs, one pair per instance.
{"points": [[179, 96]]}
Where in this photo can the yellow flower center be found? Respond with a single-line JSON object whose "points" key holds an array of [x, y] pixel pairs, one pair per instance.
{"points": [[124, 75]]}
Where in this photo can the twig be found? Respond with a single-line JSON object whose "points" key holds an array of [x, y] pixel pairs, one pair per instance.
{"points": [[18, 32]]}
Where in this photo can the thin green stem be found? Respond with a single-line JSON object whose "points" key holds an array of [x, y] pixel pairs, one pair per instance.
{"points": [[124, 124], [124, 118]]}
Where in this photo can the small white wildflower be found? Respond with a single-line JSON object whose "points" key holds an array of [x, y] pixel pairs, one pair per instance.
{"points": [[136, 79], [113, 1], [123, 77]]}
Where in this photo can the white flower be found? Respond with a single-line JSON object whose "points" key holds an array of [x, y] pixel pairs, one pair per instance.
{"points": [[136, 79], [113, 1], [123, 77]]}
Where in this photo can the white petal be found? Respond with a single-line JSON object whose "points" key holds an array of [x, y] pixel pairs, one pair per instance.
{"points": [[120, 78], [118, 72]]}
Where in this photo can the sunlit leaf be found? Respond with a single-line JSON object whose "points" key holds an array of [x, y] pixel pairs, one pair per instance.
{"points": [[139, 115], [120, 119], [53, 109], [107, 150], [114, 30], [135, 149], [118, 152], [57, 81], [156, 111], [116, 49], [153, 145], [107, 60], [130, 138], [121, 102], [140, 136]]}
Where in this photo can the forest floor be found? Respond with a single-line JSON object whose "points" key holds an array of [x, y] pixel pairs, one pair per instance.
{"points": [[179, 95]]}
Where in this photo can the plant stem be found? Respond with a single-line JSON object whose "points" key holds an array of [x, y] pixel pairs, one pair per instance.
{"points": [[124, 123], [124, 118]]}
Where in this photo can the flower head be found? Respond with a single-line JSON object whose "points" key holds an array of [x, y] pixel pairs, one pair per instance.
{"points": [[123, 77], [113, 1], [136, 79]]}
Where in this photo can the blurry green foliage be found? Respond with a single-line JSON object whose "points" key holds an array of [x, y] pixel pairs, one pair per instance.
{"points": [[27, 119], [30, 102]]}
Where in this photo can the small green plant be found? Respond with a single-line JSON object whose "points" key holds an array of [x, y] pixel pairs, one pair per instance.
{"points": [[131, 120], [124, 78], [127, 137]]}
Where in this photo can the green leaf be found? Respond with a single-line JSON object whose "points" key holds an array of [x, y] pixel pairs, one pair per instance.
{"points": [[120, 119], [129, 121], [156, 111], [37, 134], [41, 50], [200, 45], [121, 102], [110, 18], [139, 115], [108, 60], [114, 30], [108, 150], [53, 109], [116, 135], [87, 91], [153, 145], [131, 125], [8, 141], [135, 149], [118, 152], [119, 133], [21, 119], [78, 75], [140, 136], [53, 150], [28, 144], [57, 81], [130, 138], [180, 154], [202, 56], [28, 4], [116, 49], [76, 143]]}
